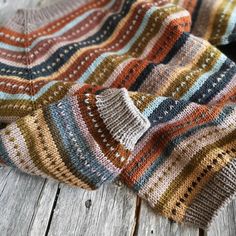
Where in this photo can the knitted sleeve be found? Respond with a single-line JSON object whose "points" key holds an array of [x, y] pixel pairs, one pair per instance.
{"points": [[213, 20], [82, 140], [185, 165]]}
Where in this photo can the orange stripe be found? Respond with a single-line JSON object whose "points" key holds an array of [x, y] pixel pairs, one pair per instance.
{"points": [[162, 145], [168, 44], [151, 56], [76, 12]]}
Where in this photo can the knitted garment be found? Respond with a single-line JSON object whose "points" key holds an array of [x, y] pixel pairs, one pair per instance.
{"points": [[80, 140], [212, 20], [101, 88]]}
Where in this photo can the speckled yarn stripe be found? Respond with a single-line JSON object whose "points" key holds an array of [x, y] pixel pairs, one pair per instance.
{"points": [[214, 20], [74, 140], [99, 89]]}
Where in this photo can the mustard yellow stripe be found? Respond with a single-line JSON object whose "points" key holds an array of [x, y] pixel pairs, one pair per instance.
{"points": [[44, 151], [74, 58], [178, 86], [20, 107], [196, 166], [141, 100], [213, 14], [102, 72], [221, 21]]}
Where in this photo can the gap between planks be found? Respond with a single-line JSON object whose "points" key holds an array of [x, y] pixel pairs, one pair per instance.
{"points": [[47, 208]]}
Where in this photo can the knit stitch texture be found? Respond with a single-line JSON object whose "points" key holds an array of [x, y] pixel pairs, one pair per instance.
{"points": [[99, 89]]}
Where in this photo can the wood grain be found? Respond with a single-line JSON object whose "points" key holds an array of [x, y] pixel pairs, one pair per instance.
{"points": [[107, 211], [36, 207], [225, 223], [8, 7], [152, 224], [22, 202]]}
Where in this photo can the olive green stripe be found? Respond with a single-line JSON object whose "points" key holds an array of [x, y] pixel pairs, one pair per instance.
{"points": [[63, 155], [26, 132], [55, 88], [223, 24], [189, 168], [35, 155], [177, 82], [141, 45], [43, 100]]}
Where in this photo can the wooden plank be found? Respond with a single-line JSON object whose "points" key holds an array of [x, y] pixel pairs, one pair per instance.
{"points": [[225, 223], [18, 3], [24, 203], [9, 5], [27, 203], [43, 209], [150, 223], [107, 211]]}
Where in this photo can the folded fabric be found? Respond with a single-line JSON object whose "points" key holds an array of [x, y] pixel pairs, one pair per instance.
{"points": [[185, 165], [213, 20], [64, 74], [84, 140]]}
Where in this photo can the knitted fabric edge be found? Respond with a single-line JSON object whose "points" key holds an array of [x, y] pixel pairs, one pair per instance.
{"points": [[83, 140], [213, 198]]}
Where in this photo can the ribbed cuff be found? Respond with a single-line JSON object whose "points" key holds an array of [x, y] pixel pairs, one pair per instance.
{"points": [[83, 140], [121, 117], [213, 197]]}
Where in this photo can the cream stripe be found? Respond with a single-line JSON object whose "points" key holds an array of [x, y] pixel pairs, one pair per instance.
{"points": [[52, 150], [22, 148], [62, 44], [77, 54], [148, 48], [231, 86], [204, 17], [117, 72], [187, 154], [175, 72], [188, 181], [181, 116], [101, 158], [227, 10], [180, 62], [209, 26]]}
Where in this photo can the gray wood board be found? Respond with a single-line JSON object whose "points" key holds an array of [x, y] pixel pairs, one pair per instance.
{"points": [[34, 206]]}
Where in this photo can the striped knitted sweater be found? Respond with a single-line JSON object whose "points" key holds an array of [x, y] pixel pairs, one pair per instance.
{"points": [[97, 89]]}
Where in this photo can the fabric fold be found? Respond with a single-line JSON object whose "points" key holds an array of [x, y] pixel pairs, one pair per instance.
{"points": [[83, 140], [94, 90], [184, 159]]}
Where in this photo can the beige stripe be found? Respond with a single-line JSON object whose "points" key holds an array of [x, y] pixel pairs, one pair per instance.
{"points": [[52, 151], [208, 27], [164, 75], [22, 160], [147, 49], [184, 152], [188, 181], [230, 87], [96, 48]]}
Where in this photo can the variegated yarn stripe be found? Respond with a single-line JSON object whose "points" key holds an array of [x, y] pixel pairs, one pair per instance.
{"points": [[65, 73]]}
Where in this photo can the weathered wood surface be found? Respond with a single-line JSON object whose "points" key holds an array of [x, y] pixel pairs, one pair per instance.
{"points": [[108, 211], [225, 223], [151, 224], [36, 207]]}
